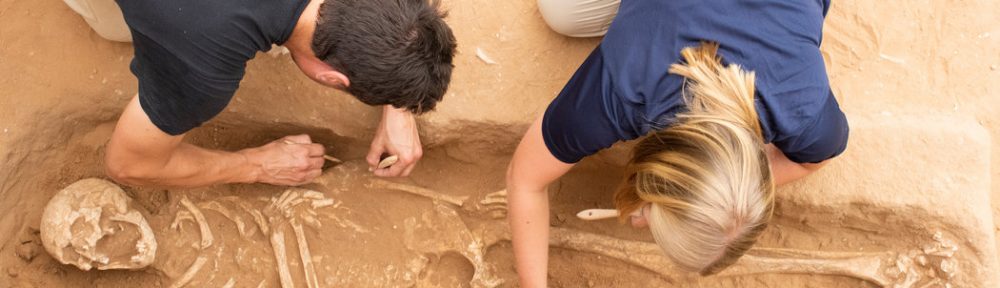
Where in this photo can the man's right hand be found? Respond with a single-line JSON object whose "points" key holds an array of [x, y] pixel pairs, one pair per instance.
{"points": [[291, 161]]}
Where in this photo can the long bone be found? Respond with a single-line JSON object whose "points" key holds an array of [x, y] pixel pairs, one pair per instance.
{"points": [[312, 280], [886, 269], [281, 211], [419, 191], [276, 214], [492, 202]]}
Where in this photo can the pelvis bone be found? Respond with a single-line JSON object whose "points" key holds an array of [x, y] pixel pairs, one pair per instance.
{"points": [[91, 224]]}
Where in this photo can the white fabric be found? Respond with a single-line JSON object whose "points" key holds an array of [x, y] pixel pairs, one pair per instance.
{"points": [[579, 18], [104, 17]]}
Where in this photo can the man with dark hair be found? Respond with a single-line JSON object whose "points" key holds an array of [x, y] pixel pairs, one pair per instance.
{"points": [[190, 56]]}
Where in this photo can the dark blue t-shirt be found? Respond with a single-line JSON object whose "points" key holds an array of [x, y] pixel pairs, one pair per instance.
{"points": [[623, 90], [190, 55]]}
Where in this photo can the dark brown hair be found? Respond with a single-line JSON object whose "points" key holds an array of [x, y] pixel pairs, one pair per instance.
{"points": [[396, 52]]}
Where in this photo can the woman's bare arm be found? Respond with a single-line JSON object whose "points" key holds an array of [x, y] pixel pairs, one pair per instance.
{"points": [[785, 170], [531, 170]]}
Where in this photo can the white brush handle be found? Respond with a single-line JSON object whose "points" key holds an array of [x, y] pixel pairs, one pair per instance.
{"points": [[597, 214]]}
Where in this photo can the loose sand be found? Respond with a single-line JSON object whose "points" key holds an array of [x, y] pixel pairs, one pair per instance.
{"points": [[919, 82]]}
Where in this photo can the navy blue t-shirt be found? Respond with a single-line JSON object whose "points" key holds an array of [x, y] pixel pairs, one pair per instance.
{"points": [[623, 90], [190, 55]]}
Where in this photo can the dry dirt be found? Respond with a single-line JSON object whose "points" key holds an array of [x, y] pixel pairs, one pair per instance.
{"points": [[919, 82]]}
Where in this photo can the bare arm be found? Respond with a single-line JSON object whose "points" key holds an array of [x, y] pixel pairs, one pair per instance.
{"points": [[531, 170], [786, 170], [141, 154]]}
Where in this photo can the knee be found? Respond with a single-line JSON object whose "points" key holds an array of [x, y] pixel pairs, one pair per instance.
{"points": [[577, 18]]}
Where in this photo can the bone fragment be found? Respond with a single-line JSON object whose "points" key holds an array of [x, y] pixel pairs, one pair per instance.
{"points": [[485, 58], [191, 271], [311, 221], [145, 247], [217, 207], [388, 161], [314, 195], [257, 217], [180, 217], [495, 198], [597, 214], [278, 245], [206, 233], [230, 283], [312, 281], [420, 191], [316, 204]]}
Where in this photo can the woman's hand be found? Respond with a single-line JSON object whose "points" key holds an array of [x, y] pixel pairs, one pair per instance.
{"points": [[397, 135], [530, 172]]}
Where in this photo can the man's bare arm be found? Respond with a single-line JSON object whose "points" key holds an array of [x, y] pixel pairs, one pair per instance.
{"points": [[141, 154]]}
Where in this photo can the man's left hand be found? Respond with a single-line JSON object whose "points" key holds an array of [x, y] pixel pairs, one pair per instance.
{"points": [[396, 135]]}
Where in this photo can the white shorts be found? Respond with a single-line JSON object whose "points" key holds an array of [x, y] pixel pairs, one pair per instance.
{"points": [[579, 18], [104, 17]]}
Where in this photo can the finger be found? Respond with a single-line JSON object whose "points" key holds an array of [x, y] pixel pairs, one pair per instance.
{"points": [[316, 162], [299, 139], [316, 150], [396, 170], [374, 156]]}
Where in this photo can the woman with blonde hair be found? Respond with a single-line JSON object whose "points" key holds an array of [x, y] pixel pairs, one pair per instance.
{"points": [[728, 99]]}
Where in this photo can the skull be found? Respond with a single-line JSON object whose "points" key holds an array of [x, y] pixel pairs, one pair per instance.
{"points": [[90, 224]]}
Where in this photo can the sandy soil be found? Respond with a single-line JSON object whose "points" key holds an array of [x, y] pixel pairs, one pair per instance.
{"points": [[62, 87]]}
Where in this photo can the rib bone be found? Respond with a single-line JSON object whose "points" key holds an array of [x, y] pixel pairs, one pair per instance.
{"points": [[191, 271], [217, 207], [206, 233]]}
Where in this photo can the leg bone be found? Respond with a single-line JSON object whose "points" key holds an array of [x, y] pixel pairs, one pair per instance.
{"points": [[873, 267], [312, 281], [419, 191], [278, 245]]}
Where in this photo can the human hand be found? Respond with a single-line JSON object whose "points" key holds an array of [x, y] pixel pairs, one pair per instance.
{"points": [[396, 135], [289, 161]]}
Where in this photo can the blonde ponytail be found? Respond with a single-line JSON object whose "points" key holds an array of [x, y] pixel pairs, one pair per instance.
{"points": [[707, 176]]}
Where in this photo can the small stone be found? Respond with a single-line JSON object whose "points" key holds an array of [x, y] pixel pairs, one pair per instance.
{"points": [[12, 272], [27, 251], [561, 217]]}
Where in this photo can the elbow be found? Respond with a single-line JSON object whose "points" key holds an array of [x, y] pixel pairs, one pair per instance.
{"points": [[126, 172], [519, 183]]}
